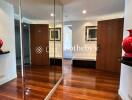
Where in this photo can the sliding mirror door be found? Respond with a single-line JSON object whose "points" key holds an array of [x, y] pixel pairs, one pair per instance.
{"points": [[11, 87], [30, 48], [39, 74]]}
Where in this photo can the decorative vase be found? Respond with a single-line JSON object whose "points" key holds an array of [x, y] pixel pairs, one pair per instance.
{"points": [[1, 44], [127, 45]]}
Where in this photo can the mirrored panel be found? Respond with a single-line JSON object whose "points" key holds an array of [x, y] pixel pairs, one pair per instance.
{"points": [[11, 87], [39, 74], [31, 44]]}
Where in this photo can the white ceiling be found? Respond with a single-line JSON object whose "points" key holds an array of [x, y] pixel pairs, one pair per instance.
{"points": [[41, 9], [37, 9], [95, 8]]}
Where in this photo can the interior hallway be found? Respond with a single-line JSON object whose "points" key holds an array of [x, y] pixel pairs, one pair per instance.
{"points": [[87, 84]]}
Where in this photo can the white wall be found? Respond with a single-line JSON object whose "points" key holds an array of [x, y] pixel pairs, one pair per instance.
{"points": [[78, 38], [7, 34], [67, 42], [58, 44], [125, 89]]}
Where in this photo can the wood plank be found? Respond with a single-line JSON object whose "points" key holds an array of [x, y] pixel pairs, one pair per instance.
{"points": [[87, 84]]}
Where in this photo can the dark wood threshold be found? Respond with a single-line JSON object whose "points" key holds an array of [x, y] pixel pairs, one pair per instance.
{"points": [[56, 61], [84, 63], [27, 64]]}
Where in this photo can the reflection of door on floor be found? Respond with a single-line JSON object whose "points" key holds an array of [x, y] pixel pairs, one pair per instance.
{"points": [[67, 41], [109, 39]]}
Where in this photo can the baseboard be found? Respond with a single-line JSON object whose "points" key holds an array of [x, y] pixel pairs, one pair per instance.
{"points": [[56, 61], [84, 63], [7, 79], [122, 96], [54, 89], [67, 58]]}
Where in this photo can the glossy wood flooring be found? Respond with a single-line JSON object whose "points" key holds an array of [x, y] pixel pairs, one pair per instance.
{"points": [[78, 84], [39, 80], [87, 84]]}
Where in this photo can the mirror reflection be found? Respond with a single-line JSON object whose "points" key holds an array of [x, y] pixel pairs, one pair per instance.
{"points": [[10, 53], [36, 49]]}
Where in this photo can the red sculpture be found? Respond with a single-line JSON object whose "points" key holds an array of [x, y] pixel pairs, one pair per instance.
{"points": [[127, 45], [1, 44]]}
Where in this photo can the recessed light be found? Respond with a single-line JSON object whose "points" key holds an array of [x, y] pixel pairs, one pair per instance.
{"points": [[25, 25], [84, 11], [52, 14]]}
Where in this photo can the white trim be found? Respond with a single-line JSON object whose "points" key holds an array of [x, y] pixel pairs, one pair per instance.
{"points": [[54, 89], [24, 19], [8, 78], [83, 58], [122, 96]]}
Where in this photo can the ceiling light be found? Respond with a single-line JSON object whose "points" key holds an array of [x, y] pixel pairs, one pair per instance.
{"points": [[51, 14], [25, 25], [84, 11]]}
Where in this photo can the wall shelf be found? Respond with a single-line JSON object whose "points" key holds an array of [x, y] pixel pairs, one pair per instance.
{"points": [[4, 52], [127, 61]]}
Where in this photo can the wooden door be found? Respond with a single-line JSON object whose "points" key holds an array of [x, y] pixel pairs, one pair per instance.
{"points": [[39, 44], [109, 40]]}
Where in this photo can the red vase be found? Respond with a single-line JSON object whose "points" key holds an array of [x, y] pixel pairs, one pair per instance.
{"points": [[1, 43], [127, 45]]}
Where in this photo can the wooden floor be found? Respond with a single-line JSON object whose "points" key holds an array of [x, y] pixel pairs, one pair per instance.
{"points": [[39, 80], [87, 84], [78, 84]]}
